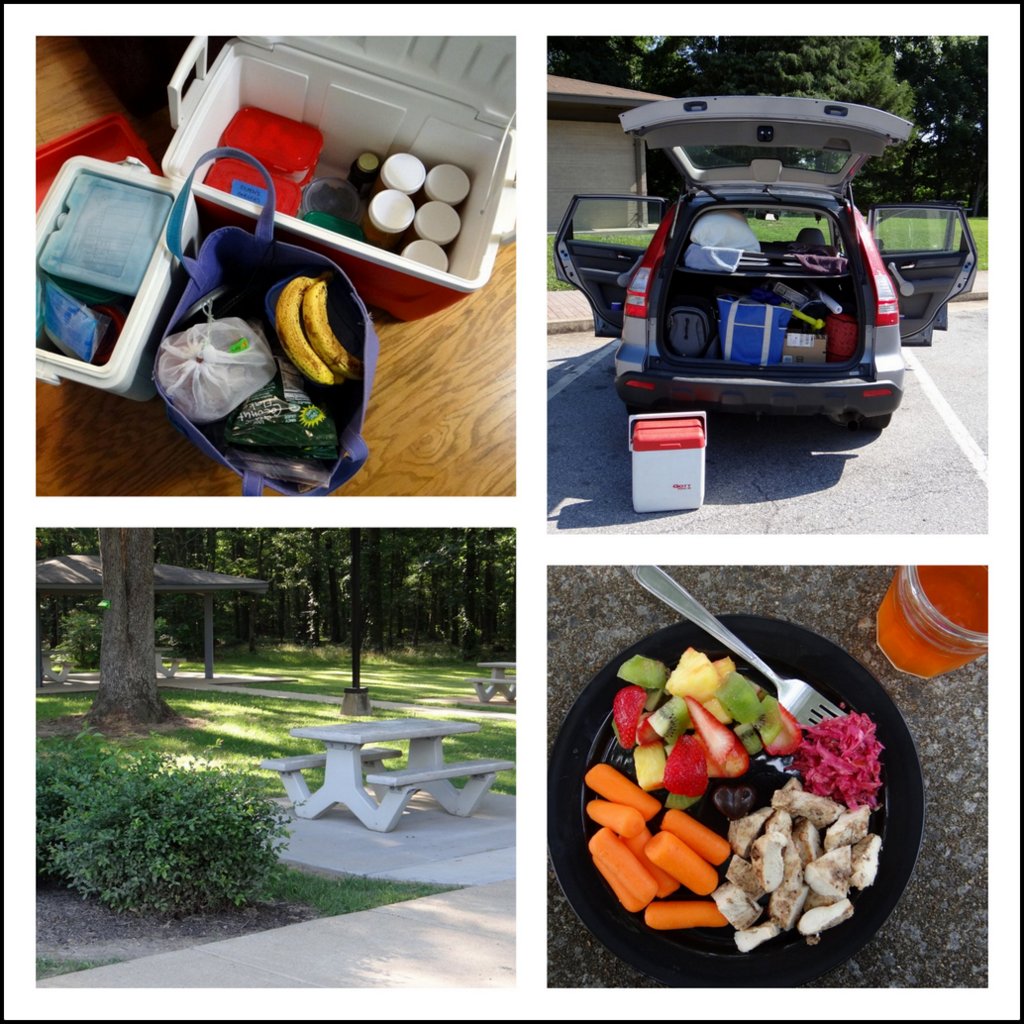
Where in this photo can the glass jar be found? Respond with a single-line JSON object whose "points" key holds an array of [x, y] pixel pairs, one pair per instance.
{"points": [[934, 618]]}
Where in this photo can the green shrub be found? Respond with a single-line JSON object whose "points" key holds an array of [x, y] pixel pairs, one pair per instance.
{"points": [[64, 770], [81, 632], [158, 836]]}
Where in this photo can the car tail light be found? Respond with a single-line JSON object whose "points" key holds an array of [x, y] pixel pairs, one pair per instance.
{"points": [[639, 288], [887, 306]]}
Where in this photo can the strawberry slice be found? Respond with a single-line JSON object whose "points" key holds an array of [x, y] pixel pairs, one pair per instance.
{"points": [[725, 752], [626, 710], [686, 770], [646, 734], [790, 736]]}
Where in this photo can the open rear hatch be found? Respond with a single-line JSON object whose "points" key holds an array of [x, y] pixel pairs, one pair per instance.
{"points": [[766, 140]]}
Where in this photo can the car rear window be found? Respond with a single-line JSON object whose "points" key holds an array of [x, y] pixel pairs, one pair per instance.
{"points": [[705, 158]]}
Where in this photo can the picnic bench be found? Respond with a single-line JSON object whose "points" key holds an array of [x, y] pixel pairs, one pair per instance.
{"points": [[355, 776], [497, 682]]}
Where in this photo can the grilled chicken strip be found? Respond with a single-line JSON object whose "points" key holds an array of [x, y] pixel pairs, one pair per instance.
{"points": [[818, 809], [849, 828], [766, 860], [740, 872], [736, 906], [864, 861], [807, 840], [787, 902], [780, 823], [744, 831], [829, 875], [817, 920], [751, 938]]}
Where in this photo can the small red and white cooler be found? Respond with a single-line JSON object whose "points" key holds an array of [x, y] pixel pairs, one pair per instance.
{"points": [[668, 460]]}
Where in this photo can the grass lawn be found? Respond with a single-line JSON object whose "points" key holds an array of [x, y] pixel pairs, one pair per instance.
{"points": [[328, 670], [771, 231], [47, 967], [238, 731], [347, 894]]}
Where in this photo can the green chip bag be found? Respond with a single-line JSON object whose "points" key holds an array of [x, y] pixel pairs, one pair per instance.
{"points": [[281, 419]]}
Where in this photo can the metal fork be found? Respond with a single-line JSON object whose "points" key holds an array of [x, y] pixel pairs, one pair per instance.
{"points": [[800, 699]]}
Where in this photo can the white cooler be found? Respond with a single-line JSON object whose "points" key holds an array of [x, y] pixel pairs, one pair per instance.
{"points": [[445, 99], [668, 460]]}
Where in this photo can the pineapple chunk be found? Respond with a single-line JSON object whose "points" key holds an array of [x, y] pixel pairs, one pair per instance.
{"points": [[649, 762], [694, 676], [724, 667], [715, 706]]}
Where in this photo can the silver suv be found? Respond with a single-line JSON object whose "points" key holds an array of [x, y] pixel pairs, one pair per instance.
{"points": [[767, 219]]}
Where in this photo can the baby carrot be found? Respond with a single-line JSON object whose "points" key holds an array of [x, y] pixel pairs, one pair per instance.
{"points": [[632, 884], [710, 845], [624, 821], [666, 883], [673, 855], [604, 780], [669, 914]]}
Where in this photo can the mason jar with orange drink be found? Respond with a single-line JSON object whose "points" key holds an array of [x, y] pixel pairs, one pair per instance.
{"points": [[934, 618]]}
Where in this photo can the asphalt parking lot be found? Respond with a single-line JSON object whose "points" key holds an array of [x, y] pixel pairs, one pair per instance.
{"points": [[927, 473]]}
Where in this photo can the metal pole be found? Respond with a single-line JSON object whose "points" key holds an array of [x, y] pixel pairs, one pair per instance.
{"points": [[208, 633], [357, 607]]}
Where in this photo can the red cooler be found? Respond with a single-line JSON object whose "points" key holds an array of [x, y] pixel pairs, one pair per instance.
{"points": [[668, 460]]}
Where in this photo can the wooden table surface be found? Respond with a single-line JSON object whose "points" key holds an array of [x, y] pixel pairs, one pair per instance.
{"points": [[441, 419]]}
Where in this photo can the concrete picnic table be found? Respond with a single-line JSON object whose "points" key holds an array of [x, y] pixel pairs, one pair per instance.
{"points": [[379, 798], [49, 658], [498, 681], [166, 654]]}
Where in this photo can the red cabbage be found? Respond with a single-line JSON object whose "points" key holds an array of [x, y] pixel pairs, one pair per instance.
{"points": [[839, 758]]}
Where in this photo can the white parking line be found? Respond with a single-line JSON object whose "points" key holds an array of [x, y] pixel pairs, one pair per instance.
{"points": [[563, 382], [975, 456]]}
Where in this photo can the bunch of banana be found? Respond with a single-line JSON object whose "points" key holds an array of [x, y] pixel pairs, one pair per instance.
{"points": [[306, 334]]}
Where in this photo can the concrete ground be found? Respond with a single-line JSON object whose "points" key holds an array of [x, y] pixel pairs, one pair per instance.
{"points": [[464, 939]]}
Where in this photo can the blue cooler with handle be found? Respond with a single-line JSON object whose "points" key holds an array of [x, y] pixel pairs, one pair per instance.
{"points": [[751, 332]]}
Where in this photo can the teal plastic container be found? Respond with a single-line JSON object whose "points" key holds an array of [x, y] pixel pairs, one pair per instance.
{"points": [[107, 234]]}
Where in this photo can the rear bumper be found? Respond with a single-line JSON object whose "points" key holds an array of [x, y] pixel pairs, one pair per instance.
{"points": [[846, 399]]}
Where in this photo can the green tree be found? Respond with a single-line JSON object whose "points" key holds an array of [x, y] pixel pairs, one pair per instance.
{"points": [[947, 159]]}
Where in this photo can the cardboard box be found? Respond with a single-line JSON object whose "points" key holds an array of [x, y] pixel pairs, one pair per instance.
{"points": [[668, 460], [803, 348]]}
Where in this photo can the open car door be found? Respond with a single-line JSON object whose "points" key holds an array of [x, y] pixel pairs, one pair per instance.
{"points": [[930, 254], [599, 242]]}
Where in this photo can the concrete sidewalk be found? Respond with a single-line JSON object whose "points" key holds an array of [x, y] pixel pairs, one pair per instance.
{"points": [[463, 939], [570, 311]]}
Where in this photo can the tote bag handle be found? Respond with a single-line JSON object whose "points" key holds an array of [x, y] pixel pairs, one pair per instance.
{"points": [[175, 222]]}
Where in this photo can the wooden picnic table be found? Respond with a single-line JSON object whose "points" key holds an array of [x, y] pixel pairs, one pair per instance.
{"points": [[379, 798], [498, 681]]}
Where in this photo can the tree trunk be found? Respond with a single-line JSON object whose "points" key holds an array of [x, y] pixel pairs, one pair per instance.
{"points": [[127, 693]]}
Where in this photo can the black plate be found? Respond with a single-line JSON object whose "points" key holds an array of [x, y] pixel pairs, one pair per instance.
{"points": [[708, 956]]}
